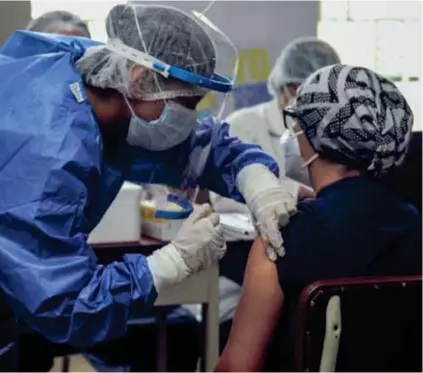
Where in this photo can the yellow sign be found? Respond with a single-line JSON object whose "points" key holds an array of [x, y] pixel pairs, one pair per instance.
{"points": [[254, 66]]}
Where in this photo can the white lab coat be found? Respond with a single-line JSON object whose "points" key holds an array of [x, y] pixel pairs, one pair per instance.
{"points": [[261, 125]]}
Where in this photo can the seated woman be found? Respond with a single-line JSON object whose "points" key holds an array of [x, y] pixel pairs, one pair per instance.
{"points": [[349, 126]]}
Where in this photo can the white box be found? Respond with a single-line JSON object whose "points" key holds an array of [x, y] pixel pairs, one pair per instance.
{"points": [[163, 231], [122, 221]]}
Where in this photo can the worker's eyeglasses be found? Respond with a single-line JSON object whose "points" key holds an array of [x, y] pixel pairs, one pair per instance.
{"points": [[289, 118]]}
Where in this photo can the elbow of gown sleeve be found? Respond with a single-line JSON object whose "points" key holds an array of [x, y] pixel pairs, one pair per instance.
{"points": [[228, 156], [63, 311]]}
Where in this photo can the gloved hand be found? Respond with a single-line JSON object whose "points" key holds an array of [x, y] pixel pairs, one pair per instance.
{"points": [[270, 202], [198, 245]]}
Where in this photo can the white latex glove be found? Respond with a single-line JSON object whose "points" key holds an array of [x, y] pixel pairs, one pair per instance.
{"points": [[198, 245], [271, 204]]}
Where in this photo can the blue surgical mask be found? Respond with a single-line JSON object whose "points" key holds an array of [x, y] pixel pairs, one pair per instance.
{"points": [[173, 127]]}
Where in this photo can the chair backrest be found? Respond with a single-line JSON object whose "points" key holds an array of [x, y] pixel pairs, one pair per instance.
{"points": [[381, 320]]}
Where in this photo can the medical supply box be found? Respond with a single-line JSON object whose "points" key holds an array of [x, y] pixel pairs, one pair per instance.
{"points": [[122, 221], [163, 221]]}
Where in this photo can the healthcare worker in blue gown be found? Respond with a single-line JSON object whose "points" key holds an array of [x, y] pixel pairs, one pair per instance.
{"points": [[77, 119]]}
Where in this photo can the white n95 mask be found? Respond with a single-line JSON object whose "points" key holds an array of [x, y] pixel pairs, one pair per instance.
{"points": [[173, 127], [295, 166]]}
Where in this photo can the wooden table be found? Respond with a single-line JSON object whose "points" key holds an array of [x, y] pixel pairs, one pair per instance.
{"points": [[201, 288]]}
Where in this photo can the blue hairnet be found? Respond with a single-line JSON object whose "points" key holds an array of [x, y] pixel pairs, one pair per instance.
{"points": [[298, 60], [162, 32], [59, 20]]}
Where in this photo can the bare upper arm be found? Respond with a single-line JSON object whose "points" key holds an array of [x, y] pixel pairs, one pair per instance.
{"points": [[256, 315]]}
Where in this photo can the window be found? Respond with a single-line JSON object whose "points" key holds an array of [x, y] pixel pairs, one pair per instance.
{"points": [[384, 36]]}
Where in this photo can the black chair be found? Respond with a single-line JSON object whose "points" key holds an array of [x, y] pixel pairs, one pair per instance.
{"points": [[369, 324]]}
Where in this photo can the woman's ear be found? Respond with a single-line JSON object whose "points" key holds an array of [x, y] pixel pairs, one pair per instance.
{"points": [[136, 74]]}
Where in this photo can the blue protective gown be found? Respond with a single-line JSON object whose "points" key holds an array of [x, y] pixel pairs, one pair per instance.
{"points": [[56, 183]]}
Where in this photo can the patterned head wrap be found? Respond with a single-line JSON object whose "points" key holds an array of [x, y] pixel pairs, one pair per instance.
{"points": [[355, 117]]}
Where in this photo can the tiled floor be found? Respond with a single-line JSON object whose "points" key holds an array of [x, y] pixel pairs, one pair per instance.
{"points": [[77, 364]]}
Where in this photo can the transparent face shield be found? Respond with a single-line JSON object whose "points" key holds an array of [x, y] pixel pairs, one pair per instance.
{"points": [[226, 66], [189, 55]]}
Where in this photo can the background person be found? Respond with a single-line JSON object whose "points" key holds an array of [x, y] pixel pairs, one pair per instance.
{"points": [[60, 22]]}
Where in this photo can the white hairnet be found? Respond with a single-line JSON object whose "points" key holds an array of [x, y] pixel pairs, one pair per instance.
{"points": [[298, 60], [59, 20], [164, 33]]}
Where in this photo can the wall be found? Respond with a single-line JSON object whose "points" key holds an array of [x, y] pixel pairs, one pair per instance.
{"points": [[270, 24], [13, 15], [390, 41]]}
